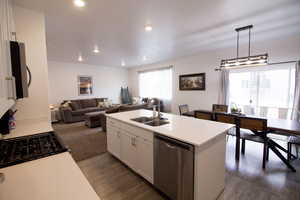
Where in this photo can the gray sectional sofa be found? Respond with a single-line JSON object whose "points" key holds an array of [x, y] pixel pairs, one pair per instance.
{"points": [[74, 110]]}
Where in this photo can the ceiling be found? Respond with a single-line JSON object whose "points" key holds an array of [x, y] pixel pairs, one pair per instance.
{"points": [[180, 27]]}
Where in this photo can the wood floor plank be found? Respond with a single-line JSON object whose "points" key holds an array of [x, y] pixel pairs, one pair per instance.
{"points": [[245, 180]]}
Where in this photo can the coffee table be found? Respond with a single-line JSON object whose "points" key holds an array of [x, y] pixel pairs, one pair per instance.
{"points": [[93, 119]]}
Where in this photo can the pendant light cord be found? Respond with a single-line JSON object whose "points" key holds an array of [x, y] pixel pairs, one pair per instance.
{"points": [[237, 48], [249, 42]]}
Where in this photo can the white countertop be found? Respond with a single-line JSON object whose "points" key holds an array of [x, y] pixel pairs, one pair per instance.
{"points": [[30, 127], [52, 178], [187, 129]]}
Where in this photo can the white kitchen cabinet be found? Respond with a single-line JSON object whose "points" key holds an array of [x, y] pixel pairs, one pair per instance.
{"points": [[6, 79], [129, 150], [134, 147], [114, 141], [145, 158]]}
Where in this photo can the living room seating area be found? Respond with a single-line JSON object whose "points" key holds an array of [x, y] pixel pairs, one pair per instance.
{"points": [[78, 110], [74, 110]]}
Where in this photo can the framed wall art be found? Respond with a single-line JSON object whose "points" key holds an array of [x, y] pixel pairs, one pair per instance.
{"points": [[192, 82], [85, 85]]}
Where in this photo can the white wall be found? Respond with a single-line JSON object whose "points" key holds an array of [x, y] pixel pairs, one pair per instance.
{"points": [[107, 81], [30, 28], [279, 50]]}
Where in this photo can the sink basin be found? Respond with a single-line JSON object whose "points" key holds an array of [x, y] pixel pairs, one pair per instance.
{"points": [[157, 123], [150, 121], [143, 119]]}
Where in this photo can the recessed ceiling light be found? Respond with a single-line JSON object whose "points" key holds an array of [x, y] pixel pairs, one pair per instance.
{"points": [[144, 58], [148, 28], [80, 59], [123, 63], [79, 3], [96, 49]]}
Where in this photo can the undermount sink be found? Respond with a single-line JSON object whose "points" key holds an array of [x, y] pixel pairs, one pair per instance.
{"points": [[143, 119], [151, 121], [157, 123]]}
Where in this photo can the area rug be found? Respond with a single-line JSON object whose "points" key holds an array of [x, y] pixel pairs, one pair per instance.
{"points": [[83, 142]]}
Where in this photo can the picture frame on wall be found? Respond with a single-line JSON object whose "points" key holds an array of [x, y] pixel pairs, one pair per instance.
{"points": [[85, 85], [192, 81]]}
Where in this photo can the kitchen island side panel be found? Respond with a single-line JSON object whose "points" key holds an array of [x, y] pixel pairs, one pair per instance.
{"points": [[210, 169]]}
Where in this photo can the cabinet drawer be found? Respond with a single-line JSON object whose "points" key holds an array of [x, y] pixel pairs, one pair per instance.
{"points": [[139, 132], [113, 122], [112, 125], [112, 129]]}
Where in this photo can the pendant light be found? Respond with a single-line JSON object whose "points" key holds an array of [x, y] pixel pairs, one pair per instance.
{"points": [[248, 61]]}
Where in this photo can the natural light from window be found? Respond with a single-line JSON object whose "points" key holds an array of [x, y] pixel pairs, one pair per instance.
{"points": [[266, 92], [156, 84]]}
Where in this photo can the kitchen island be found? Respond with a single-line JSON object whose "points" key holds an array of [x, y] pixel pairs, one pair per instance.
{"points": [[134, 143]]}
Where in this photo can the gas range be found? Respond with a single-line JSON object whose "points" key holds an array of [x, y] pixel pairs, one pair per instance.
{"points": [[22, 149]]}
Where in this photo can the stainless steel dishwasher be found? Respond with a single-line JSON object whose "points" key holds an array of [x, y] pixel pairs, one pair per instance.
{"points": [[174, 168]]}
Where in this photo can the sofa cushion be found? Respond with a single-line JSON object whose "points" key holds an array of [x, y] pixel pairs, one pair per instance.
{"points": [[133, 107], [113, 110], [75, 105], [101, 99], [88, 103], [85, 110]]}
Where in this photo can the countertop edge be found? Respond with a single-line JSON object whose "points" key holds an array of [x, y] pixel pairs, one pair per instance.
{"points": [[145, 127]]}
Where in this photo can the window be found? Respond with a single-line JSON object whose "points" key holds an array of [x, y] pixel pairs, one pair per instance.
{"points": [[265, 91], [156, 83]]}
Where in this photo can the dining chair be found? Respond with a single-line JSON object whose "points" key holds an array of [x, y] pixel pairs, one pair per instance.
{"points": [[283, 113], [259, 128], [293, 140], [184, 108], [227, 118], [263, 111], [219, 108], [248, 110], [203, 115]]}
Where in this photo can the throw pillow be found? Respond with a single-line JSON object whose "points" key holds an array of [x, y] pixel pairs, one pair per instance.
{"points": [[66, 104], [136, 100], [75, 105], [101, 104]]}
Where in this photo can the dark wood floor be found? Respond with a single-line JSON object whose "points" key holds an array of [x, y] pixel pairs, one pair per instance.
{"points": [[244, 180]]}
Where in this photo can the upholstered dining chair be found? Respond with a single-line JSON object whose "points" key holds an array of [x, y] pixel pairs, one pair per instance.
{"points": [[257, 126], [248, 110], [203, 115], [227, 118], [283, 113], [184, 108], [219, 108], [293, 140], [263, 111]]}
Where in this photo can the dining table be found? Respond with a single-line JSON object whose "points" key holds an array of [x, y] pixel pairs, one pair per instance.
{"points": [[284, 127]]}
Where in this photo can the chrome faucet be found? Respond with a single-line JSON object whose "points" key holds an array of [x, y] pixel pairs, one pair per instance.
{"points": [[156, 112], [159, 115]]}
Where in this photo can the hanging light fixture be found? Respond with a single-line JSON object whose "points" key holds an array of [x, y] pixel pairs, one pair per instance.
{"points": [[248, 61]]}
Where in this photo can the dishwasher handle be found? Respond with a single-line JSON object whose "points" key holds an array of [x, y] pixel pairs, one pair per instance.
{"points": [[172, 143], [170, 146]]}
